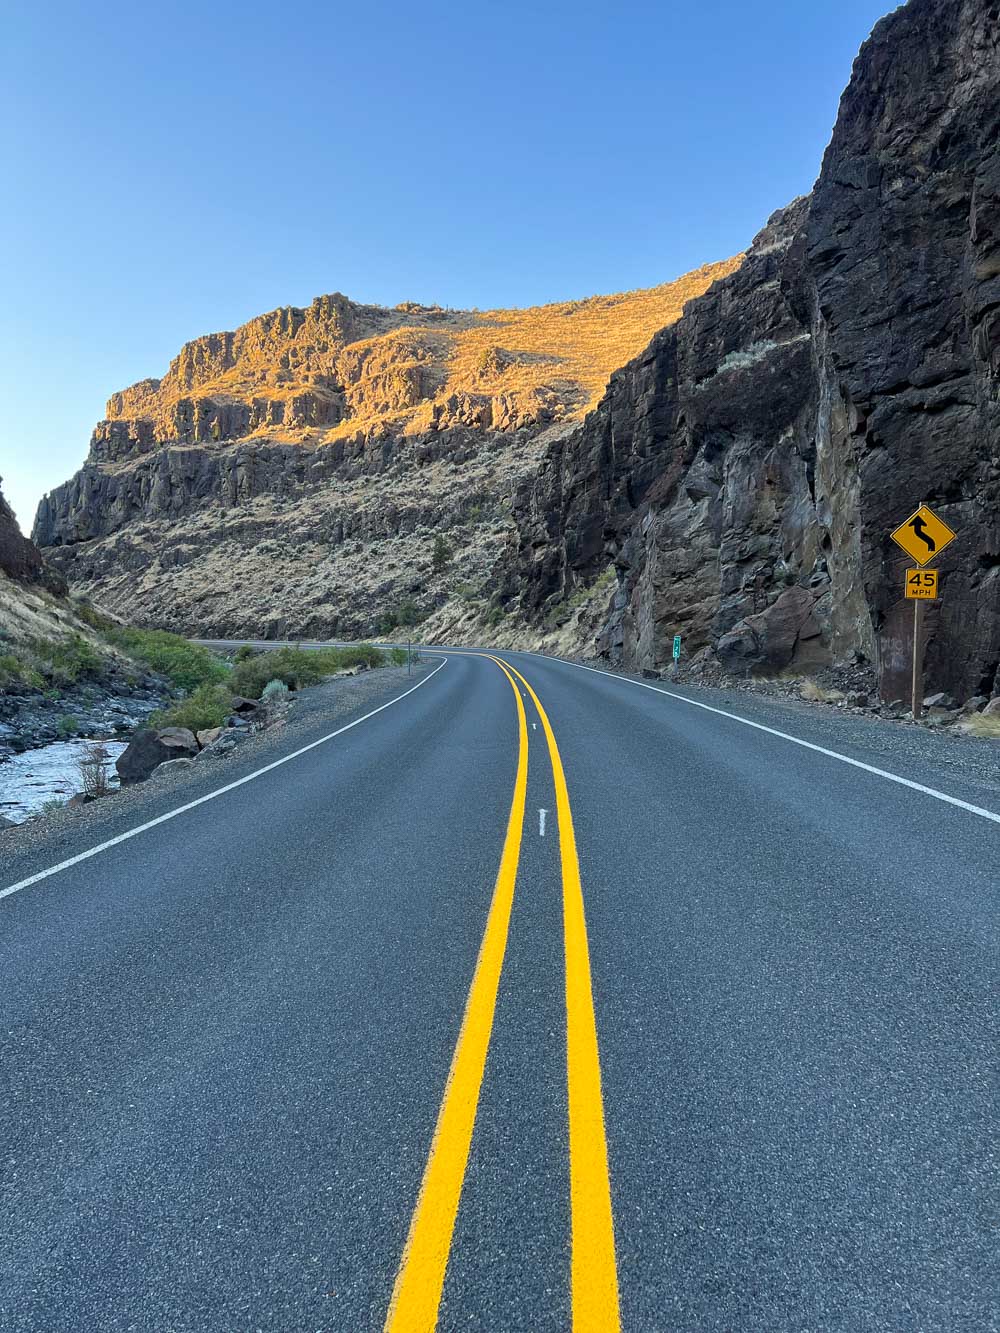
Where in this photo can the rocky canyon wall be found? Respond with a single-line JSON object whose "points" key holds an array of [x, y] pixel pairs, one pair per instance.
{"points": [[744, 472]]}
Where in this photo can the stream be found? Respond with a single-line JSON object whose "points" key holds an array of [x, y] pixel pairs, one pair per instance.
{"points": [[48, 773]]}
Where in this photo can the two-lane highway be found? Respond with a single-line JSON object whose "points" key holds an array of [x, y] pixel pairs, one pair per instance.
{"points": [[536, 999]]}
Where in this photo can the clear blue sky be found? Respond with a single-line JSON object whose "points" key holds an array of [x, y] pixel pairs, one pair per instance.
{"points": [[174, 169]]}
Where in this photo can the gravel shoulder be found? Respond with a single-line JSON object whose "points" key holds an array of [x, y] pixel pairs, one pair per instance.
{"points": [[314, 712]]}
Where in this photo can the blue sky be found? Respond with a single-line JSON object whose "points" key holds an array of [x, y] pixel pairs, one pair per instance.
{"points": [[174, 170]]}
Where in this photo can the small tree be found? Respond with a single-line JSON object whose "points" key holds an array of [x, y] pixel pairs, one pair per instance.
{"points": [[441, 556]]}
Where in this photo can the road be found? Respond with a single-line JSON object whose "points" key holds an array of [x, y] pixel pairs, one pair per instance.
{"points": [[531, 1002]]}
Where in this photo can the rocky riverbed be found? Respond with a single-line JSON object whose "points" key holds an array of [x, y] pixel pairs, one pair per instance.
{"points": [[44, 733], [30, 718]]}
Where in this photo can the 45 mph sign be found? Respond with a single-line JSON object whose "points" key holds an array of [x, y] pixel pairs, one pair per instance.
{"points": [[923, 537]]}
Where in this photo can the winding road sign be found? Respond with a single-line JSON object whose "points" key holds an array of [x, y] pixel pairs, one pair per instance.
{"points": [[923, 536]]}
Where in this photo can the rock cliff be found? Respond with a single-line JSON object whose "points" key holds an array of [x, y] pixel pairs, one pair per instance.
{"points": [[291, 477], [20, 559], [744, 472]]}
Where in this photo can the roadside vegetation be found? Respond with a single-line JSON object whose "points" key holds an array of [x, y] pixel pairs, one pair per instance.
{"points": [[205, 682], [186, 665], [270, 675]]}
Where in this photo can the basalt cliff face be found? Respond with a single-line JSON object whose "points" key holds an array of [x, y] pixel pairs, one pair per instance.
{"points": [[292, 477], [20, 559], [744, 472], [736, 482]]}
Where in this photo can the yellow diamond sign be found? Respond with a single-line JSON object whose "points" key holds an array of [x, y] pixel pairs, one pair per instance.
{"points": [[923, 536]]}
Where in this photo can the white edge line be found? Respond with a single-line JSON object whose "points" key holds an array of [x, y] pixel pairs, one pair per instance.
{"points": [[806, 745], [220, 791]]}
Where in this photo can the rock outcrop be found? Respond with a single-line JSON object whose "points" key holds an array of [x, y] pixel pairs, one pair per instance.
{"points": [[20, 559], [743, 474], [289, 477]]}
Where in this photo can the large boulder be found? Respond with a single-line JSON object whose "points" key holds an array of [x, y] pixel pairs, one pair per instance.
{"points": [[768, 642], [151, 747]]}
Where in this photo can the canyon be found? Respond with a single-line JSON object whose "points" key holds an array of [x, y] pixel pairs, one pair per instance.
{"points": [[723, 457]]}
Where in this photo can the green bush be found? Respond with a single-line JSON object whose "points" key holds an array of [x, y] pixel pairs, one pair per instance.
{"points": [[188, 665], [12, 670], [299, 667], [65, 661], [274, 691], [91, 616], [398, 656], [440, 554], [244, 653], [209, 706], [67, 725]]}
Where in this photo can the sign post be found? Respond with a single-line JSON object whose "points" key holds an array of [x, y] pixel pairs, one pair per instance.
{"points": [[923, 537], [677, 650]]}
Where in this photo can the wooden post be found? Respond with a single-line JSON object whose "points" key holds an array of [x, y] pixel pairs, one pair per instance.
{"points": [[917, 692]]}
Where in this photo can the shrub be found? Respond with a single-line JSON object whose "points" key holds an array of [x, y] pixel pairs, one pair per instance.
{"points": [[64, 661], [188, 665], [90, 615], [295, 666], [441, 554], [67, 725], [398, 656], [274, 691], [12, 670], [362, 654], [298, 667], [94, 767], [208, 706], [244, 653]]}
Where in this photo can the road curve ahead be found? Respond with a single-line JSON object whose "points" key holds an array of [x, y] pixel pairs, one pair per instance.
{"points": [[538, 999]]}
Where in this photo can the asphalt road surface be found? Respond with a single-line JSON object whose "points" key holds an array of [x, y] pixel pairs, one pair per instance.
{"points": [[530, 1002]]}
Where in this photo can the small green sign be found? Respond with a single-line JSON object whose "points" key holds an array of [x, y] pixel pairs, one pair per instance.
{"points": [[677, 647]]}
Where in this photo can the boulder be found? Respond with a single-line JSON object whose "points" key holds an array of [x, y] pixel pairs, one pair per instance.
{"points": [[767, 642], [939, 700], [244, 706], [172, 764], [973, 705], [6, 823], [207, 737], [149, 748], [992, 708]]}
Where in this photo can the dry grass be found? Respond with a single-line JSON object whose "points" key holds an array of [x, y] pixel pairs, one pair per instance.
{"points": [[815, 693], [399, 366], [982, 724]]}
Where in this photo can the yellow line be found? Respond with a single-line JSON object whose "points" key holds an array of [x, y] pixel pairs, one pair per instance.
{"points": [[417, 1293], [594, 1270]]}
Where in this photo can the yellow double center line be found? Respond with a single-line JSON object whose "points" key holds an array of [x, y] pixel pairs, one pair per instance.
{"points": [[594, 1280]]}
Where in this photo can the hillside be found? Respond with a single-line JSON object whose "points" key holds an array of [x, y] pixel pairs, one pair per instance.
{"points": [[291, 476]]}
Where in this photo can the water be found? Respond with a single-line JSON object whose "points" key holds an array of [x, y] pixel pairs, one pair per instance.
{"points": [[50, 773]]}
